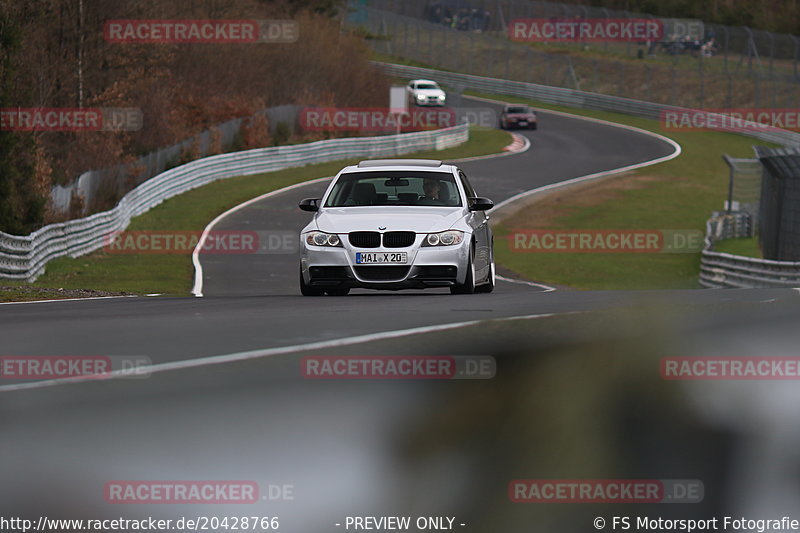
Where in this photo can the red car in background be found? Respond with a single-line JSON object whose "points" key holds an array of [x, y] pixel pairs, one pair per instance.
{"points": [[518, 116]]}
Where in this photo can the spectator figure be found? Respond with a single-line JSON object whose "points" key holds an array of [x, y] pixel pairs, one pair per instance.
{"points": [[709, 48]]}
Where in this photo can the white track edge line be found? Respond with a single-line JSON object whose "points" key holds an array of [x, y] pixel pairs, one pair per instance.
{"points": [[70, 299], [268, 352], [197, 287], [547, 288]]}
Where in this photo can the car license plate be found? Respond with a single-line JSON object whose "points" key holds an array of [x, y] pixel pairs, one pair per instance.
{"points": [[523, 123], [374, 258]]}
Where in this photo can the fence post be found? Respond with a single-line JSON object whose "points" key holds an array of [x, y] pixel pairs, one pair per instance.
{"points": [[530, 65], [471, 53], [702, 88], [674, 88], [430, 45], [729, 98], [508, 57], [771, 53], [405, 36], [757, 94], [727, 42], [416, 45], [549, 68]]}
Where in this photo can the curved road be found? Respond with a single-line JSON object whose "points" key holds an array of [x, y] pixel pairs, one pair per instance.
{"points": [[563, 148]]}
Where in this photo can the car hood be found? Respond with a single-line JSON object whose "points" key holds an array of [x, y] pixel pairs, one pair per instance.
{"points": [[429, 92], [418, 219]]}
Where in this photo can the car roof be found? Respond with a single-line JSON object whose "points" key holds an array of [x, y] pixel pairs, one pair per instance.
{"points": [[423, 81], [401, 164]]}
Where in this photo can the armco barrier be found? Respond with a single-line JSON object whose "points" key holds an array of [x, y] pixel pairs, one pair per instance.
{"points": [[25, 257], [719, 270]]}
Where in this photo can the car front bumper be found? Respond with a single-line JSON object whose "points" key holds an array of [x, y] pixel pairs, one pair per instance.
{"points": [[427, 266]]}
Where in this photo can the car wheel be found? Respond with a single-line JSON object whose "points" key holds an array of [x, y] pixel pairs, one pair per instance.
{"points": [[489, 285], [338, 291], [503, 125], [534, 126], [306, 290], [468, 287]]}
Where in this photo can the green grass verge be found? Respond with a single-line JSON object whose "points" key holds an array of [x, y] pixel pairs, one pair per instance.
{"points": [[678, 194], [191, 211], [747, 247]]}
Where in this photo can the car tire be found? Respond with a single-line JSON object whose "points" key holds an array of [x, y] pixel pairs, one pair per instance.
{"points": [[306, 290], [338, 291], [535, 126], [468, 287], [490, 279]]}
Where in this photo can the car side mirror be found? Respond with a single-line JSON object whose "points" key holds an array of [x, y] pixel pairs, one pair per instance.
{"points": [[309, 204], [480, 204]]}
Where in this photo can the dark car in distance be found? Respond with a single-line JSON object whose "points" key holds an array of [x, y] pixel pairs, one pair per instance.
{"points": [[518, 116]]}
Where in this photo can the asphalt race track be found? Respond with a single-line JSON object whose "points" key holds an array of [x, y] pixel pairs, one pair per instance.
{"points": [[551, 159], [226, 399]]}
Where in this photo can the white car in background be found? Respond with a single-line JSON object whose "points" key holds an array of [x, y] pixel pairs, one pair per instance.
{"points": [[425, 93], [397, 224]]}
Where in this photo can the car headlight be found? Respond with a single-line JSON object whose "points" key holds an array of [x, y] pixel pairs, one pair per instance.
{"points": [[420, 97], [444, 238], [441, 97], [319, 238]]}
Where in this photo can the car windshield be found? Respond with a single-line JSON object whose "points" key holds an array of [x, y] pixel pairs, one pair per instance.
{"points": [[427, 86], [419, 188], [518, 109]]}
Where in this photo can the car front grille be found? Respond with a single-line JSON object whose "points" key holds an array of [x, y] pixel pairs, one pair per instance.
{"points": [[391, 239], [365, 239], [382, 273], [398, 239]]}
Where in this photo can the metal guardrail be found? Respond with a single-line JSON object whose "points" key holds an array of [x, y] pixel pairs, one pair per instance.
{"points": [[25, 257], [717, 269], [720, 270]]}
